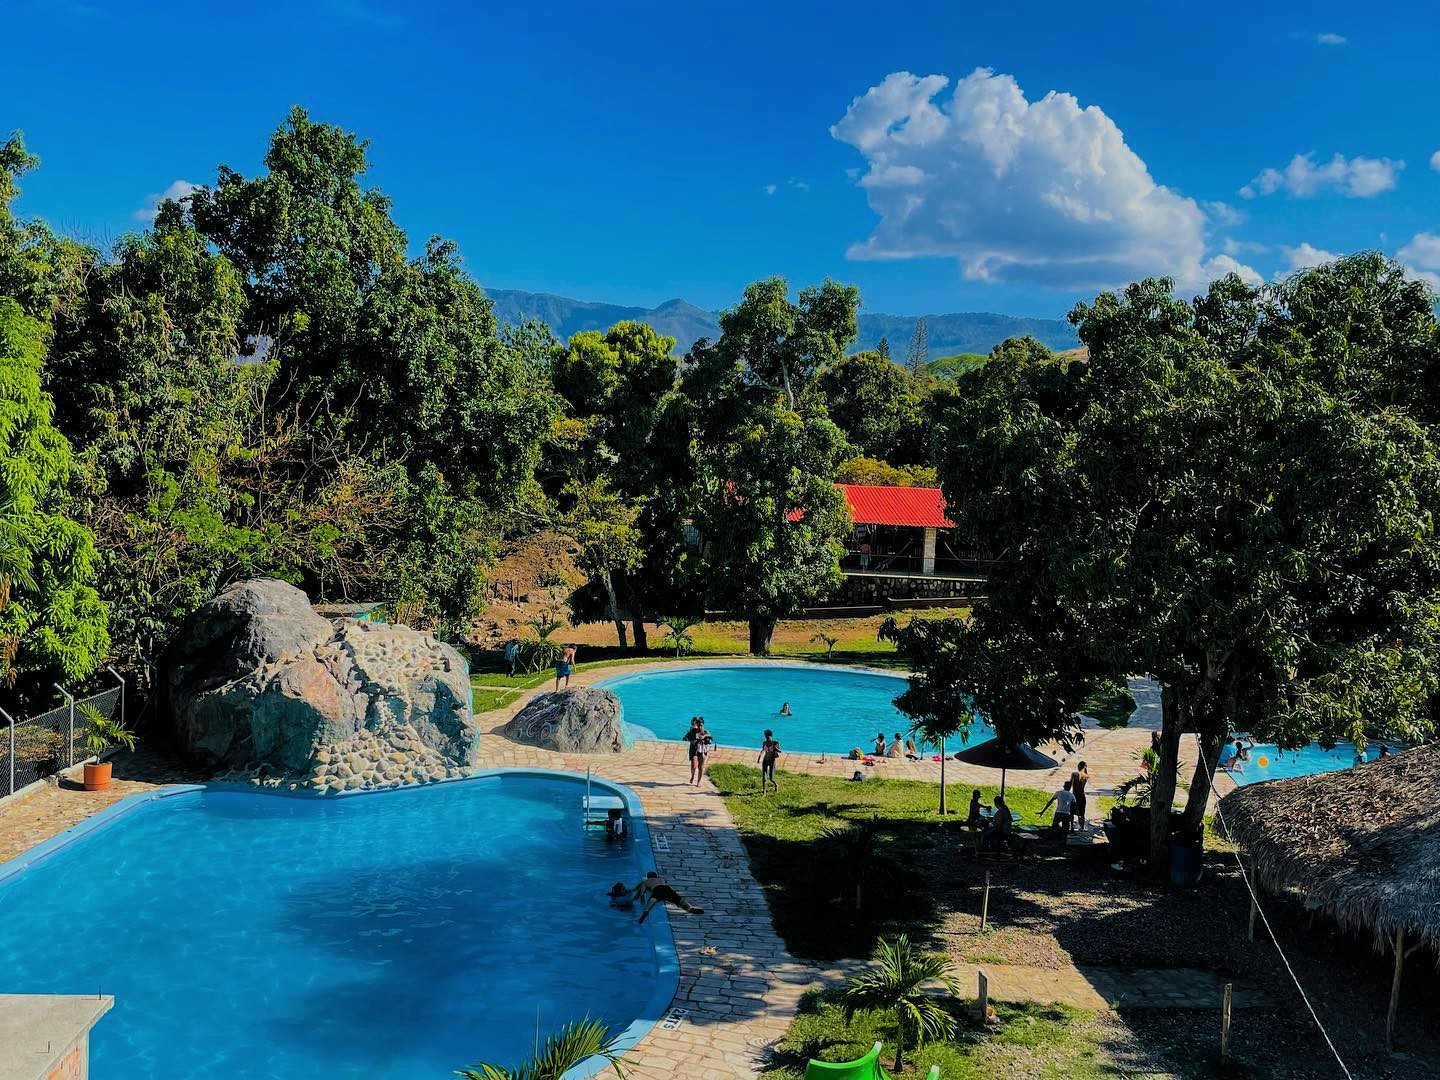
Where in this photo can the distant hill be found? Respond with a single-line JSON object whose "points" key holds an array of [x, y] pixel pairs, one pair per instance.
{"points": [[965, 332]]}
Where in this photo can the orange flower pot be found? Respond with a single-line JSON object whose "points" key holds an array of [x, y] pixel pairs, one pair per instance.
{"points": [[97, 775]]}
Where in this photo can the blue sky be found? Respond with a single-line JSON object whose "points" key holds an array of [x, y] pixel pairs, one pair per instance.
{"points": [[635, 152]]}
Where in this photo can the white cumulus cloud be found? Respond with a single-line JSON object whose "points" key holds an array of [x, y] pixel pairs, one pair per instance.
{"points": [[1421, 257], [1330, 39], [1043, 191], [1358, 177], [178, 189], [1435, 161], [1303, 256]]}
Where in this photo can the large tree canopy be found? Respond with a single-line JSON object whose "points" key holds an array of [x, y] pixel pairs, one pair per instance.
{"points": [[767, 454], [1237, 495]]}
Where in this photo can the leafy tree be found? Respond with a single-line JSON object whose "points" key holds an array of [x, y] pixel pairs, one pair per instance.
{"points": [[1235, 494], [766, 453], [882, 349], [876, 404], [561, 1052], [864, 470], [898, 982], [54, 618], [38, 270], [616, 387]]}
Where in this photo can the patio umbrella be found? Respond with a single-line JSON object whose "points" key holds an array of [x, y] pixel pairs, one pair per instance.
{"points": [[992, 755]]}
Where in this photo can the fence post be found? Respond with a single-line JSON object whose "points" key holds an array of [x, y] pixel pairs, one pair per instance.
{"points": [[121, 680], [70, 742], [11, 721]]}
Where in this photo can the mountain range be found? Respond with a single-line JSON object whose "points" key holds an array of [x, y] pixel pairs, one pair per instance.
{"points": [[961, 332]]}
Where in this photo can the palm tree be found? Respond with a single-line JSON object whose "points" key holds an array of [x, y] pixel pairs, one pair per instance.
{"points": [[896, 982], [677, 632], [561, 1052], [829, 643]]}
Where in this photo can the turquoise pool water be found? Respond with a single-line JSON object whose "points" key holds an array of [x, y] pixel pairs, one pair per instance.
{"points": [[833, 709], [1282, 764], [402, 934]]}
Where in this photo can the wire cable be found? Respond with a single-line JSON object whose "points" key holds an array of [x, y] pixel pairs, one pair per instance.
{"points": [[1265, 919]]}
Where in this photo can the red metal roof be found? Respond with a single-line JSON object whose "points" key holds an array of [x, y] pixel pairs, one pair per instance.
{"points": [[918, 507]]}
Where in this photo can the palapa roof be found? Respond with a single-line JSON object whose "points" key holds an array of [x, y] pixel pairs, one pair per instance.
{"points": [[1362, 845]]}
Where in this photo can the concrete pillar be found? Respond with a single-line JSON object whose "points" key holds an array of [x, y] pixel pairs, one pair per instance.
{"points": [[927, 560]]}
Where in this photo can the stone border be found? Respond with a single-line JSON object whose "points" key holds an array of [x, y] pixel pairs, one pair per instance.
{"points": [[667, 959]]}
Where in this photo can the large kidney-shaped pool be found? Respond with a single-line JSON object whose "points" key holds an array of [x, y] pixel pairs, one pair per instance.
{"points": [[400, 934], [832, 710]]}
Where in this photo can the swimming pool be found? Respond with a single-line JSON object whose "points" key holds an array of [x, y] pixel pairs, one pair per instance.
{"points": [[1269, 762], [833, 709], [396, 934]]}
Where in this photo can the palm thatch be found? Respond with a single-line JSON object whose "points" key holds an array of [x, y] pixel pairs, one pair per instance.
{"points": [[1363, 845]]}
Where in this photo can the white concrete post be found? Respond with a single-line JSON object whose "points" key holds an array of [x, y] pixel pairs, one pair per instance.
{"points": [[927, 560], [69, 700], [11, 721]]}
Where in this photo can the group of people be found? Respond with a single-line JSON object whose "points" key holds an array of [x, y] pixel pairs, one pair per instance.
{"points": [[899, 746]]}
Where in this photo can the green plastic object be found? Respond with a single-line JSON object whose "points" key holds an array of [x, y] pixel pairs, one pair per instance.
{"points": [[865, 1068]]}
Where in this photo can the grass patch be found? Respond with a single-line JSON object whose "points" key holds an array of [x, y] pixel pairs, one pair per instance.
{"points": [[1111, 705], [1027, 1041], [485, 698], [811, 878]]}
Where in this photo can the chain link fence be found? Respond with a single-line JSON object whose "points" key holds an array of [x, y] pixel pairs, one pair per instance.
{"points": [[43, 745]]}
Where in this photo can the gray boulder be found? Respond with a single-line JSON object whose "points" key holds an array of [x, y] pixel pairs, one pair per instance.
{"points": [[582, 720], [259, 683]]}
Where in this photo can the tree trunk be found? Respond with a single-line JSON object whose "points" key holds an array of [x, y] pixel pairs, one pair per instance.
{"points": [[609, 582], [761, 631], [637, 627], [899, 1041], [1162, 783], [1210, 743]]}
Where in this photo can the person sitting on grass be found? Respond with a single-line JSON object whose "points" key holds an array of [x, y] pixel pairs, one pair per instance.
{"points": [[1064, 803], [661, 893], [998, 831]]}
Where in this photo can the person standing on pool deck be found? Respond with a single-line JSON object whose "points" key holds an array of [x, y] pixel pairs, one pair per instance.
{"points": [[703, 745], [661, 893], [1078, 779], [769, 754], [692, 741], [564, 666]]}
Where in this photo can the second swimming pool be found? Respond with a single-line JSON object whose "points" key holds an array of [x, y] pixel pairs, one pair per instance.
{"points": [[832, 709]]}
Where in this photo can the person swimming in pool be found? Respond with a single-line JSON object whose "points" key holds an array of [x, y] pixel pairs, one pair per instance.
{"points": [[660, 893], [620, 897], [785, 709]]}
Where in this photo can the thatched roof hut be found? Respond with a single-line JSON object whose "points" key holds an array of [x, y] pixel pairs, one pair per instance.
{"points": [[1362, 846]]}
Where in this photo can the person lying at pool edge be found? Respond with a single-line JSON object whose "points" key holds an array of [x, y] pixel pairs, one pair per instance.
{"points": [[661, 893]]}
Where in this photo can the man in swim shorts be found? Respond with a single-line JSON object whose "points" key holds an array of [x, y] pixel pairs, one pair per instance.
{"points": [[660, 893], [564, 666]]}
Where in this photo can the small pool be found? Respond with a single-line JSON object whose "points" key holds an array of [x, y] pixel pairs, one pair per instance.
{"points": [[401, 934], [832, 709], [1268, 762]]}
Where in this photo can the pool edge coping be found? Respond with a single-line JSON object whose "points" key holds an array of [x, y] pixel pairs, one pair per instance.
{"points": [[666, 954]]}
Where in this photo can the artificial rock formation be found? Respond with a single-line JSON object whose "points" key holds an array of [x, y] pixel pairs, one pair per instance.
{"points": [[583, 720], [262, 687]]}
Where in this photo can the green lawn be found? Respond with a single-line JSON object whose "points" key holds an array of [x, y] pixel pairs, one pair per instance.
{"points": [[810, 877], [1026, 1042], [484, 698]]}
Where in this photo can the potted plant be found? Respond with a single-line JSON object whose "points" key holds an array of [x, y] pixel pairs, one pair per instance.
{"points": [[102, 733]]}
